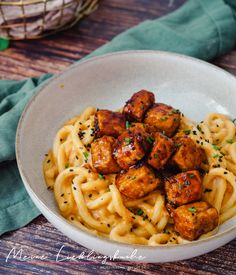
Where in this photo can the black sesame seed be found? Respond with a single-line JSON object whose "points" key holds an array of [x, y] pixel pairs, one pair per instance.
{"points": [[207, 190]]}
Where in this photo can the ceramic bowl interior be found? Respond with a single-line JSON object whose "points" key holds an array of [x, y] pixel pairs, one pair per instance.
{"points": [[195, 87]]}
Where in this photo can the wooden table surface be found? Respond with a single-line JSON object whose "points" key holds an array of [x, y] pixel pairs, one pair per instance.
{"points": [[52, 55]]}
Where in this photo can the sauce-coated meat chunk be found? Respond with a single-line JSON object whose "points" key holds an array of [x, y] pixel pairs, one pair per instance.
{"points": [[137, 182], [139, 103], [188, 156], [193, 220], [183, 188], [109, 123], [131, 146], [102, 158], [163, 118], [162, 149]]}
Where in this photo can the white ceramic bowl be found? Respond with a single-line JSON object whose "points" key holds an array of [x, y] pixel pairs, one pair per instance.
{"points": [[195, 87]]}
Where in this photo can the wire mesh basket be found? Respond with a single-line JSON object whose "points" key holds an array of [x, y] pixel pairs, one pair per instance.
{"points": [[31, 19]]}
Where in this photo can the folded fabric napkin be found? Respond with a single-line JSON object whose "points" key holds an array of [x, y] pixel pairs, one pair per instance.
{"points": [[4, 43], [200, 28]]}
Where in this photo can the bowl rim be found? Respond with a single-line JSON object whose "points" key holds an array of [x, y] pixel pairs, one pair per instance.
{"points": [[86, 60]]}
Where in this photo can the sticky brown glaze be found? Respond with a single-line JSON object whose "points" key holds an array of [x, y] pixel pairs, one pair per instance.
{"points": [[137, 182], [162, 118], [183, 188], [102, 158], [138, 104], [195, 219], [109, 123], [162, 150], [131, 146], [188, 156]]}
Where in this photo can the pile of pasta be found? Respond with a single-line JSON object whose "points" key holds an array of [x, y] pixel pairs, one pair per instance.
{"points": [[93, 203]]}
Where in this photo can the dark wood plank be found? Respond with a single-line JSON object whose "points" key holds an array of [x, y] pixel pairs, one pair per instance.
{"points": [[53, 54], [41, 238]]}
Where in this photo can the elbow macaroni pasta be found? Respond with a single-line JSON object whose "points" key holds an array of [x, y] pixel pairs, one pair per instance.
{"points": [[93, 203]]}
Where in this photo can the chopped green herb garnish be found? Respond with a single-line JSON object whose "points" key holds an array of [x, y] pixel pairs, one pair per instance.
{"points": [[187, 131], [67, 165], [177, 145], [101, 176], [156, 156], [150, 140], [85, 155], [192, 209], [133, 178], [140, 212], [215, 156], [229, 141], [127, 141], [127, 124], [175, 111], [215, 147], [191, 176], [163, 118]]}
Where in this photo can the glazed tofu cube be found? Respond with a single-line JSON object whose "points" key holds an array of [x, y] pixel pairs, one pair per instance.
{"points": [[108, 123], [188, 156], [137, 182], [102, 158], [139, 103], [183, 188], [162, 150], [193, 220], [130, 147], [162, 118]]}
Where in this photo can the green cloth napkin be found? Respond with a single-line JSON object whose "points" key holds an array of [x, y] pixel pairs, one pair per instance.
{"points": [[4, 43], [200, 28]]}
